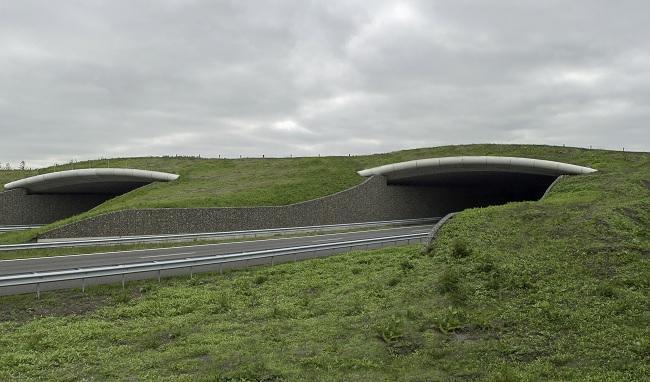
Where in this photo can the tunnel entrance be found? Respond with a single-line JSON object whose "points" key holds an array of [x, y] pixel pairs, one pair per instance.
{"points": [[46, 198], [451, 184], [485, 188]]}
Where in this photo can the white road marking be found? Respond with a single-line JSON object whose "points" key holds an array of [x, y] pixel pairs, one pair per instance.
{"points": [[171, 254]]}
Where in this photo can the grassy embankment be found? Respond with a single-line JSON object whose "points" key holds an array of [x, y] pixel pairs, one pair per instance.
{"points": [[257, 182], [550, 290]]}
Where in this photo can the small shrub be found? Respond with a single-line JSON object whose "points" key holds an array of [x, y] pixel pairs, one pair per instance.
{"points": [[157, 338], [222, 304], [122, 297], [449, 281], [409, 343], [450, 284], [448, 320], [276, 312], [354, 309], [33, 342], [393, 281], [435, 349], [260, 279], [460, 249], [519, 279], [390, 329], [406, 265], [496, 281], [355, 270], [485, 264], [504, 374], [605, 290], [399, 336]]}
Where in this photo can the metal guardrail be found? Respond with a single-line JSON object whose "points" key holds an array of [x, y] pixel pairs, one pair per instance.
{"points": [[38, 278], [11, 228], [207, 235]]}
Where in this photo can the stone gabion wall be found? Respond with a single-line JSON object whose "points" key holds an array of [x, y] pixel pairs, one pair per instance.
{"points": [[17, 207], [372, 200]]}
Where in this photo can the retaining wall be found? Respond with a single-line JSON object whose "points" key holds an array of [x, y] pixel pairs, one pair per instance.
{"points": [[372, 200], [19, 208]]}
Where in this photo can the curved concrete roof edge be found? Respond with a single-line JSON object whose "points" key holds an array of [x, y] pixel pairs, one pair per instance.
{"points": [[72, 175], [480, 163]]}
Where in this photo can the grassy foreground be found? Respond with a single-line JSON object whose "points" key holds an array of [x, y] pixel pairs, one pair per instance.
{"points": [[280, 181], [550, 290]]}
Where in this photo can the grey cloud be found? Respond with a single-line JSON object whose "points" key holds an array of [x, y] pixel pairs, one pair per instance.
{"points": [[85, 79]]}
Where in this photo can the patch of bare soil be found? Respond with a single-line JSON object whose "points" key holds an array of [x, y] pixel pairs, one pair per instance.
{"points": [[25, 308]]}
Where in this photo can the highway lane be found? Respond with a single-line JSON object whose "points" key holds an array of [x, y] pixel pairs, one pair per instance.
{"points": [[17, 266]]}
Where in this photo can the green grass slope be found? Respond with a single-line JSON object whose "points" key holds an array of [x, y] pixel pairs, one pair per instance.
{"points": [[532, 291], [257, 182], [7, 176]]}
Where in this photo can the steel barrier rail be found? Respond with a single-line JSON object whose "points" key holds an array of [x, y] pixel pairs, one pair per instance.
{"points": [[251, 233], [10, 228], [37, 278]]}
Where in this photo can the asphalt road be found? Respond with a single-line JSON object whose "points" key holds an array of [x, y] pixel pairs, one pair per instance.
{"points": [[8, 267]]}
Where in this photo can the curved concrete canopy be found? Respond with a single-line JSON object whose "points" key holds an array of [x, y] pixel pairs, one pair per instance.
{"points": [[471, 169], [110, 181]]}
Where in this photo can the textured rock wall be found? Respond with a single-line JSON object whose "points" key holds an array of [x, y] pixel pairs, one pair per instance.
{"points": [[372, 200], [17, 207]]}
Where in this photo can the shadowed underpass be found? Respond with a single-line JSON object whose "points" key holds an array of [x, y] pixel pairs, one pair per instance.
{"points": [[485, 188]]}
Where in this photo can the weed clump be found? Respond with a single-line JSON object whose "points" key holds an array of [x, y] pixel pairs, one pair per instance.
{"points": [[393, 281], [400, 338], [406, 265], [222, 304], [460, 249], [450, 284], [605, 290], [448, 320], [260, 279], [449, 281]]}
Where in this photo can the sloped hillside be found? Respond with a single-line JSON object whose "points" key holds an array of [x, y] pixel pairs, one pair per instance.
{"points": [[532, 291], [256, 182]]}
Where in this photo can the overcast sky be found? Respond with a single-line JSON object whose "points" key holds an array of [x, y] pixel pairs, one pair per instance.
{"points": [[87, 79]]}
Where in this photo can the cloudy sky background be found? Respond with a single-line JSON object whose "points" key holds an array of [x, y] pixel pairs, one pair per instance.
{"points": [[87, 79]]}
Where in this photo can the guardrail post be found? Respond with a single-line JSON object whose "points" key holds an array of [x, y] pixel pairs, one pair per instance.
{"points": [[272, 260], [191, 271], [123, 280], [83, 285], [38, 290], [159, 275], [220, 269]]}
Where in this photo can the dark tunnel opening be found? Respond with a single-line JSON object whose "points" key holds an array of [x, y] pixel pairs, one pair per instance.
{"points": [[478, 189]]}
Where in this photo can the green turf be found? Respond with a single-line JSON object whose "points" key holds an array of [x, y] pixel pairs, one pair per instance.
{"points": [[257, 182], [532, 291]]}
